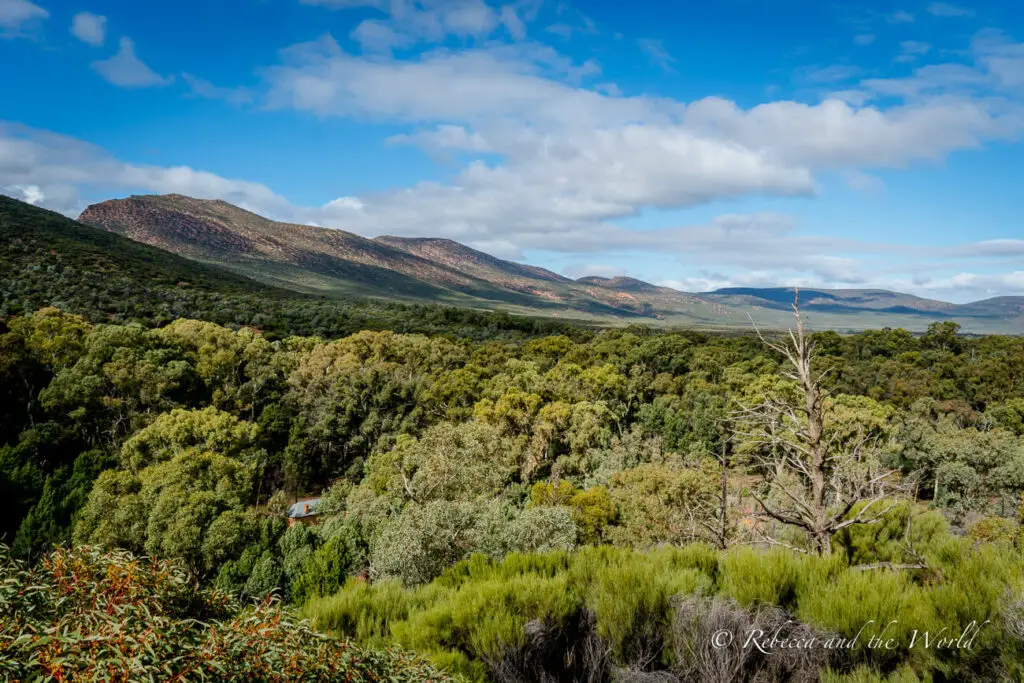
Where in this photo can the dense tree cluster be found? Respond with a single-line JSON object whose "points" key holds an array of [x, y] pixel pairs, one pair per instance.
{"points": [[185, 441], [477, 470]]}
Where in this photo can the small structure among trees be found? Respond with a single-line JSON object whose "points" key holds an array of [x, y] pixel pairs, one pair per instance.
{"points": [[304, 511]]}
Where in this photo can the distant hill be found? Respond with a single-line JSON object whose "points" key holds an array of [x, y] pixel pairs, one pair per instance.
{"points": [[834, 299], [337, 263], [47, 259], [323, 260], [1005, 313]]}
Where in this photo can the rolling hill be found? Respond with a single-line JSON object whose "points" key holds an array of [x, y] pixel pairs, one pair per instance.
{"points": [[337, 263], [47, 259], [329, 261]]}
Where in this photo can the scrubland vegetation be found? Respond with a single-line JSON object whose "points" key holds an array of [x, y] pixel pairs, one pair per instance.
{"points": [[543, 507], [89, 615]]}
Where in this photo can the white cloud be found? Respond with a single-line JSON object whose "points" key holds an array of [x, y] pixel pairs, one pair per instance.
{"points": [[901, 17], [1001, 57], [576, 24], [571, 160], [553, 163], [578, 270], [126, 70], [199, 87], [52, 170], [375, 35], [513, 24], [762, 249], [828, 74], [864, 182], [864, 39], [657, 53], [89, 28], [943, 9], [429, 21], [915, 47], [16, 14], [30, 194]]}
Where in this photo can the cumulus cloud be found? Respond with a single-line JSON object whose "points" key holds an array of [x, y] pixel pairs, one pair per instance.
{"points": [[762, 249], [126, 70], [1002, 58], [15, 15], [510, 19], [864, 182], [429, 21], [51, 170], [564, 161], [571, 23], [552, 160], [89, 28], [910, 50]]}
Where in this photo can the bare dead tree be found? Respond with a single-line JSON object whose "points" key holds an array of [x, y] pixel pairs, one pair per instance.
{"points": [[721, 529], [816, 480]]}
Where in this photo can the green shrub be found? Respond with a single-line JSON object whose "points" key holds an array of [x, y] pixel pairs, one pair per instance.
{"points": [[888, 539], [863, 604], [494, 618], [90, 615], [866, 674], [325, 571], [265, 577], [995, 530], [761, 578]]}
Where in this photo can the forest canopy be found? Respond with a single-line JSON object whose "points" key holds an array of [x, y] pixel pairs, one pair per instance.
{"points": [[177, 423]]}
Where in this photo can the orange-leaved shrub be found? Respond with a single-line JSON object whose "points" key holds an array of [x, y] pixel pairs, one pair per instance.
{"points": [[86, 614]]}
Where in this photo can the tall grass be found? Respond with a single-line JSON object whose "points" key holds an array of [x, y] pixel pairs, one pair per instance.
{"points": [[480, 611]]}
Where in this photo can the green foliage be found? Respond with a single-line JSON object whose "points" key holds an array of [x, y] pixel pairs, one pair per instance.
{"points": [[477, 610], [890, 539], [173, 433], [475, 615], [662, 503], [326, 570], [389, 417], [995, 530], [171, 410], [89, 615], [192, 507], [48, 260], [592, 510], [423, 540], [449, 462]]}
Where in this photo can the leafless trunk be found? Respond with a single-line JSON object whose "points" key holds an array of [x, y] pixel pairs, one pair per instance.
{"points": [[814, 480]]}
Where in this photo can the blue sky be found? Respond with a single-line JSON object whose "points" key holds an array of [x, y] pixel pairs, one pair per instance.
{"points": [[697, 145]]}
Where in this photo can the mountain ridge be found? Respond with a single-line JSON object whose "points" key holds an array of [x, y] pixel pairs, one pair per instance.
{"points": [[339, 263], [326, 259]]}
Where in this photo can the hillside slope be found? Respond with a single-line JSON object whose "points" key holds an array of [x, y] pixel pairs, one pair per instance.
{"points": [[341, 264], [301, 256], [623, 297], [47, 259], [313, 259]]}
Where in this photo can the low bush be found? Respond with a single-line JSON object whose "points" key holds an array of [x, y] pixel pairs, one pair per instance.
{"points": [[606, 613], [87, 615]]}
